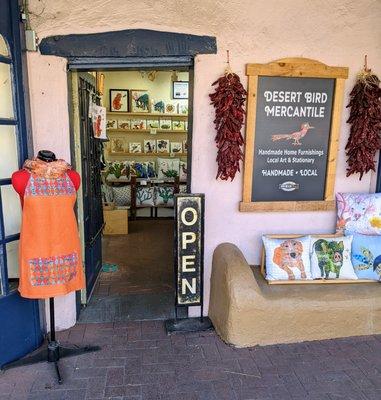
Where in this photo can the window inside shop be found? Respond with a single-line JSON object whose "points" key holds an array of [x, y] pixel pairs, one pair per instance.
{"points": [[10, 209]]}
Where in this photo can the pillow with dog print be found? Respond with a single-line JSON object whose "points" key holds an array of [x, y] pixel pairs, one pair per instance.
{"points": [[366, 256], [331, 258], [287, 259]]}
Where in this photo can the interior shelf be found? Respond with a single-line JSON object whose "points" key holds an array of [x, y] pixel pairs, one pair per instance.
{"points": [[123, 153], [145, 131], [157, 115]]}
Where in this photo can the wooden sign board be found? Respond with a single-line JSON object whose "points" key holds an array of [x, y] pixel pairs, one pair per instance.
{"points": [[189, 248], [292, 133]]}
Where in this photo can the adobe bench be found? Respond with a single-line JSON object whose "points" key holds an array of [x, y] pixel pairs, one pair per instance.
{"points": [[246, 311]]}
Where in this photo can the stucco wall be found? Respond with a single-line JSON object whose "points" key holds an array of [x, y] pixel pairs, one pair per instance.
{"points": [[334, 32]]}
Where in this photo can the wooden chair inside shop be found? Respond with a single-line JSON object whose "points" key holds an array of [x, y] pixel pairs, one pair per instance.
{"points": [[134, 185]]}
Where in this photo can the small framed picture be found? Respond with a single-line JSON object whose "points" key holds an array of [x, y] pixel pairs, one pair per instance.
{"points": [[139, 101], [149, 146], [134, 147], [162, 146], [118, 145], [124, 124], [119, 99], [171, 108], [176, 147], [153, 124], [166, 124], [138, 124], [111, 124], [158, 107], [183, 109], [180, 90], [178, 125], [185, 145]]}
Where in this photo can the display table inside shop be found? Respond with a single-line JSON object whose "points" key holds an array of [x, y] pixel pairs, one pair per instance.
{"points": [[246, 311]]}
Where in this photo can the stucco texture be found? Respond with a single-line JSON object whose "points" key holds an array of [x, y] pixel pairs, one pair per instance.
{"points": [[337, 33]]}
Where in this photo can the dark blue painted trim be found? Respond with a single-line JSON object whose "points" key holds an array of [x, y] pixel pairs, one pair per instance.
{"points": [[7, 121], [6, 181], [128, 43], [5, 60], [86, 63]]}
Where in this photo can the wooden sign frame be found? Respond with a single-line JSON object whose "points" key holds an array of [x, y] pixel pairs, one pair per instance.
{"points": [[292, 67]]}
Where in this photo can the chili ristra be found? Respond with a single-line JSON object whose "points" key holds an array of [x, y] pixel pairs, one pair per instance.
{"points": [[365, 119], [228, 101]]}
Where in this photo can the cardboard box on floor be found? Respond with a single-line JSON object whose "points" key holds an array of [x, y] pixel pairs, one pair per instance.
{"points": [[116, 222]]}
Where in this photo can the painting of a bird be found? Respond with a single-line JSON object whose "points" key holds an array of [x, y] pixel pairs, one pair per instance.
{"points": [[295, 136]]}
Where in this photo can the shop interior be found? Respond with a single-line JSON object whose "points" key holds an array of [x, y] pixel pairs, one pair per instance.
{"points": [[144, 163]]}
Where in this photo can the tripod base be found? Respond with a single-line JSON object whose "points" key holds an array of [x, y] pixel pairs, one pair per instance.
{"points": [[52, 353]]}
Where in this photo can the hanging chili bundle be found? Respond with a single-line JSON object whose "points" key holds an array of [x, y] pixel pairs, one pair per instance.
{"points": [[228, 101], [365, 119]]}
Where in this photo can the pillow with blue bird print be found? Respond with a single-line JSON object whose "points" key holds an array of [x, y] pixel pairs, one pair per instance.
{"points": [[366, 256], [331, 257]]}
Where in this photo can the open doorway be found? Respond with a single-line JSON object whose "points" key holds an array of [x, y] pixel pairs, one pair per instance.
{"points": [[128, 183]]}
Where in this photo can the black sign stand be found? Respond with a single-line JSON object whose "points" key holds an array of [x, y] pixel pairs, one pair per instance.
{"points": [[53, 352], [199, 323]]}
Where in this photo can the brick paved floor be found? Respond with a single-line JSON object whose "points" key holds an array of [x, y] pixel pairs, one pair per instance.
{"points": [[138, 361]]}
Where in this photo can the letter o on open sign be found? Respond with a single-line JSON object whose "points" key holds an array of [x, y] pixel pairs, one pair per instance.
{"points": [[184, 214]]}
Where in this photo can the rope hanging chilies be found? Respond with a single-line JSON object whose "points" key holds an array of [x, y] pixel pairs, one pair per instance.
{"points": [[365, 120], [228, 101]]}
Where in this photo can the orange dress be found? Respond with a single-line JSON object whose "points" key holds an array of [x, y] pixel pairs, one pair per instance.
{"points": [[50, 250]]}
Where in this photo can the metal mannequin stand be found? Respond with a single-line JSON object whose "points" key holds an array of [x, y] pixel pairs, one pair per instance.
{"points": [[53, 352]]}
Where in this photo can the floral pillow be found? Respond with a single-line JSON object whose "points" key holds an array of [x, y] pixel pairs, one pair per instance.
{"points": [[287, 259], [164, 196], [144, 196], [168, 167], [331, 258], [366, 256], [122, 195], [359, 213]]}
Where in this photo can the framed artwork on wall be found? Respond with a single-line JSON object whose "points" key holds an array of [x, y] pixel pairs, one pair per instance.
{"points": [[149, 146], [119, 100], [135, 147], [176, 147], [162, 146], [180, 90], [139, 101], [117, 145]]}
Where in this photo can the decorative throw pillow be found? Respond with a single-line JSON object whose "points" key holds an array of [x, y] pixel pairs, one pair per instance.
{"points": [[331, 258], [144, 196], [359, 213], [150, 169], [122, 195], [107, 194], [366, 256], [168, 167], [164, 196], [183, 171], [287, 259]]}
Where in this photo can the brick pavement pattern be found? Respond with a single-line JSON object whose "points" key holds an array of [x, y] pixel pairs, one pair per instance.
{"points": [[138, 361]]}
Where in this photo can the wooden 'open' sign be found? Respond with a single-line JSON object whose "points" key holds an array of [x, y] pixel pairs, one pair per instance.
{"points": [[292, 132]]}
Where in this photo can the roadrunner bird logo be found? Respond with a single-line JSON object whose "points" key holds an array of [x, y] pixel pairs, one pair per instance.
{"points": [[295, 136]]}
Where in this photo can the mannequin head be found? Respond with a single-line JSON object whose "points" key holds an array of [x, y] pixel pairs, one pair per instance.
{"points": [[46, 155]]}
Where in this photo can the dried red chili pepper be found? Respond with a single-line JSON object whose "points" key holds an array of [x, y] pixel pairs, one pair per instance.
{"points": [[365, 119], [228, 101]]}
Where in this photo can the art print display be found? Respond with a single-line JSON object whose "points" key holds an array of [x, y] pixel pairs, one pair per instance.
{"points": [[292, 128], [124, 124], [118, 145], [178, 125], [153, 124], [138, 124], [119, 100], [185, 145], [111, 124], [135, 147], [171, 108], [140, 101], [158, 107], [180, 90], [183, 109], [162, 146], [176, 147], [166, 124], [149, 146], [99, 122]]}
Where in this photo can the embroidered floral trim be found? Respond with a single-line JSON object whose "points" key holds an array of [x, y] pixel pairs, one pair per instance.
{"points": [[56, 270], [39, 186], [54, 169]]}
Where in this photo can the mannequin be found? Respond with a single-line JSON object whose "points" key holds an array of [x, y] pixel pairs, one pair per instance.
{"points": [[20, 178], [50, 251]]}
